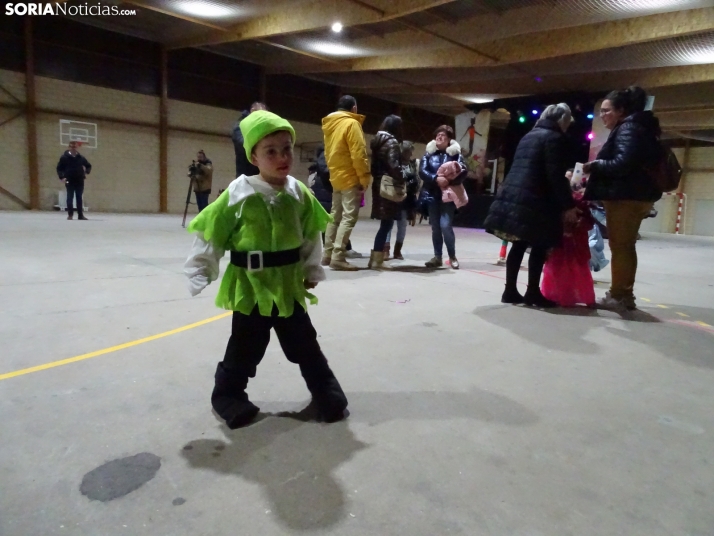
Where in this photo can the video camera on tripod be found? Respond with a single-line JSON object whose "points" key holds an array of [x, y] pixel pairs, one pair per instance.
{"points": [[193, 172]]}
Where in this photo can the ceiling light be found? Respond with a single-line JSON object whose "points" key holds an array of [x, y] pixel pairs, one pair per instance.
{"points": [[699, 57], [476, 99], [337, 27], [206, 10], [328, 48], [647, 5]]}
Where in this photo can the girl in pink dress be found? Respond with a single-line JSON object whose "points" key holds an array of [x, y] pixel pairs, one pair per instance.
{"points": [[566, 275]]}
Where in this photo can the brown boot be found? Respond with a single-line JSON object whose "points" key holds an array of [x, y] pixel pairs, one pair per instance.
{"points": [[343, 266], [398, 251], [376, 261], [326, 261], [70, 216], [386, 249]]}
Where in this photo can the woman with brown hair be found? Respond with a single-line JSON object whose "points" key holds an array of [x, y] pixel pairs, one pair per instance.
{"points": [[441, 150]]}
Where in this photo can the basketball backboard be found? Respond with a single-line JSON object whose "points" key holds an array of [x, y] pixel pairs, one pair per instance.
{"points": [[86, 133]]}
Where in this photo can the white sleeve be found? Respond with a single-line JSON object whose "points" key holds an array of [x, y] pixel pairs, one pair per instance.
{"points": [[202, 267], [311, 254]]}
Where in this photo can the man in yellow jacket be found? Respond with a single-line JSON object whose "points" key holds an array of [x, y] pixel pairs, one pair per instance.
{"points": [[346, 155]]}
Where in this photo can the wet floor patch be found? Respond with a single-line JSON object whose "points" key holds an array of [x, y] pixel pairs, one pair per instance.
{"points": [[119, 477]]}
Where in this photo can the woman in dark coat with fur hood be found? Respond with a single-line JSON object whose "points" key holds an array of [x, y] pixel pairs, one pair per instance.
{"points": [[442, 149], [534, 202], [386, 160]]}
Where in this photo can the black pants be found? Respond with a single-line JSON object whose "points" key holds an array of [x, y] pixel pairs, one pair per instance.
{"points": [[251, 334], [202, 199], [75, 186], [535, 264]]}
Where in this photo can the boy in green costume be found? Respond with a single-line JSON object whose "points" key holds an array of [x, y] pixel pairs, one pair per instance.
{"points": [[271, 224]]}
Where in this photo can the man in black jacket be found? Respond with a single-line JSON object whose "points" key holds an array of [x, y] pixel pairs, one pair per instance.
{"points": [[72, 169], [243, 165]]}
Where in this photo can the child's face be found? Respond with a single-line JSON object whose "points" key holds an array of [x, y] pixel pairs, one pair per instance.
{"points": [[273, 156]]}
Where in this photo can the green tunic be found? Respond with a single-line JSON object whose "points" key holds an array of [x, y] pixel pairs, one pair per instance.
{"points": [[243, 218]]}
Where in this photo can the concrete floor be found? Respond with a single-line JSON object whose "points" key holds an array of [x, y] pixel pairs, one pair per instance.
{"points": [[467, 416]]}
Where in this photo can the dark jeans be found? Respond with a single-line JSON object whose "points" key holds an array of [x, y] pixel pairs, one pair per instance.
{"points": [[441, 218], [384, 228], [202, 199], [535, 265], [75, 187], [251, 334]]}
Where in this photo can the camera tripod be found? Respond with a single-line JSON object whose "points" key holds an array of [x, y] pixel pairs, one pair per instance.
{"points": [[188, 202]]}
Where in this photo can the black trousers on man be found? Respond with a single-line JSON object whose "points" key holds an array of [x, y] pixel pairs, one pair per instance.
{"points": [[246, 347], [74, 186]]}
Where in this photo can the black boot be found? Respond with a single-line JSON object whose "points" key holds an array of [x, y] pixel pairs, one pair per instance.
{"points": [[534, 298], [326, 391], [230, 400], [511, 295]]}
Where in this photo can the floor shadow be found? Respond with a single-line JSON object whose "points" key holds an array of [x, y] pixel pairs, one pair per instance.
{"points": [[681, 338], [538, 326], [294, 459], [415, 269], [293, 462], [631, 316], [687, 345]]}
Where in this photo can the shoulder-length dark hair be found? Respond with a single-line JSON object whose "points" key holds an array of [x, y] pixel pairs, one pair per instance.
{"points": [[393, 125]]}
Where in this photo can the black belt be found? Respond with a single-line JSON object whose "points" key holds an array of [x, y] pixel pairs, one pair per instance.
{"points": [[254, 261]]}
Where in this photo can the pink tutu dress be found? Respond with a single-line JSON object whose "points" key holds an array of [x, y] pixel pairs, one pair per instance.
{"points": [[566, 275]]}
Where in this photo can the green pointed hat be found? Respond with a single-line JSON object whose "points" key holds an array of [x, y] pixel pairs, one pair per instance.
{"points": [[260, 124]]}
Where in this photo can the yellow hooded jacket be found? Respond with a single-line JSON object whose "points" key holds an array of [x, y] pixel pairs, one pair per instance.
{"points": [[346, 150]]}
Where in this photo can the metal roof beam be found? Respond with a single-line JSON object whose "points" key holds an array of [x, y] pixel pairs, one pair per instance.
{"points": [[311, 15], [647, 78], [549, 44]]}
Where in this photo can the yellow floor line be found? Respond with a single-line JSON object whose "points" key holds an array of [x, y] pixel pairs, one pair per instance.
{"points": [[645, 299], [682, 314], [703, 324], [97, 353], [662, 306]]}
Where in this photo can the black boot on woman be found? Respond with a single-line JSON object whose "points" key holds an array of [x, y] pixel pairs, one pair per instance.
{"points": [[533, 296], [511, 295]]}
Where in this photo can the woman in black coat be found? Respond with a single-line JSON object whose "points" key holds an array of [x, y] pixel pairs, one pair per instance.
{"points": [[443, 148], [619, 178], [534, 201], [386, 160]]}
